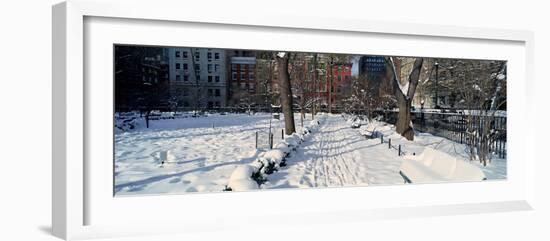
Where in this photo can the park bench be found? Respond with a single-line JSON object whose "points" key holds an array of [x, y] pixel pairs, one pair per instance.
{"points": [[369, 131], [434, 166]]}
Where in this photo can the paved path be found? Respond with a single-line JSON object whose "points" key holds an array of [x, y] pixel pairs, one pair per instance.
{"points": [[336, 155]]}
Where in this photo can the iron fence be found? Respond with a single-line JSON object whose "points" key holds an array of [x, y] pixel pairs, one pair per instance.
{"points": [[468, 129]]}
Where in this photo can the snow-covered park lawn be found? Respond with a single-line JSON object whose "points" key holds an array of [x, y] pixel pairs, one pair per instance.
{"points": [[201, 157]]}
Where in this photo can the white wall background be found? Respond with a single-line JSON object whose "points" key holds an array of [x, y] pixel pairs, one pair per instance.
{"points": [[25, 132]]}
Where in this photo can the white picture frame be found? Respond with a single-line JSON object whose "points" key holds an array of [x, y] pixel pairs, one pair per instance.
{"points": [[78, 195]]}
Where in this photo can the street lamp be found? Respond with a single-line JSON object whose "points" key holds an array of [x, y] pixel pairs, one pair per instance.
{"points": [[436, 85]]}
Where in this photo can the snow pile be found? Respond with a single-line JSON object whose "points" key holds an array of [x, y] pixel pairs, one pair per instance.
{"points": [[269, 161], [434, 166]]}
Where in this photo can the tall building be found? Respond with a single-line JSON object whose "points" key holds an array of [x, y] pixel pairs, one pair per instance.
{"points": [[378, 82], [198, 77]]}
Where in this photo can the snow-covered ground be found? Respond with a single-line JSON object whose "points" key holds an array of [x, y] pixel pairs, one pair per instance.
{"points": [[202, 158]]}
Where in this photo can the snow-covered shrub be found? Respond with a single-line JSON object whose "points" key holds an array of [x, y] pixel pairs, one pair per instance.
{"points": [[293, 141], [241, 178], [272, 160], [268, 162]]}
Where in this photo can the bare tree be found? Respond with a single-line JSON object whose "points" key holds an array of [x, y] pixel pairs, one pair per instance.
{"points": [[286, 91], [302, 83], [315, 86], [405, 94], [331, 79], [196, 75], [482, 92]]}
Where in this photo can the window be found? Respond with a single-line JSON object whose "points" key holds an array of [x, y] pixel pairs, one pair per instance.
{"points": [[339, 77], [243, 86], [234, 76], [216, 56], [217, 104], [243, 67], [217, 78], [184, 54], [185, 66], [243, 75], [178, 77], [177, 54], [217, 67], [178, 66], [210, 78], [209, 68], [217, 93], [209, 56], [234, 67], [185, 77], [210, 92], [185, 92], [197, 56], [251, 75], [197, 67]]}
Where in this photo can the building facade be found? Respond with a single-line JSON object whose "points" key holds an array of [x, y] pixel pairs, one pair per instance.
{"points": [[198, 77], [339, 75], [244, 85]]}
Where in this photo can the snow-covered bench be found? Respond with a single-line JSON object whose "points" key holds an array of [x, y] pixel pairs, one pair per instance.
{"points": [[434, 166], [369, 131]]}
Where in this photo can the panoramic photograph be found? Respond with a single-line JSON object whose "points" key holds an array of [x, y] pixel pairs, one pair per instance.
{"points": [[192, 119]]}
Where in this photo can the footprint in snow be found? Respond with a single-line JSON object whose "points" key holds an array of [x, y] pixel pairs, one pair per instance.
{"points": [[175, 180], [191, 189]]}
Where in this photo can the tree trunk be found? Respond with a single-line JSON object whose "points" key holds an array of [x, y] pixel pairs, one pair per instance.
{"points": [[302, 109], [286, 92], [403, 126], [330, 88], [315, 87]]}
